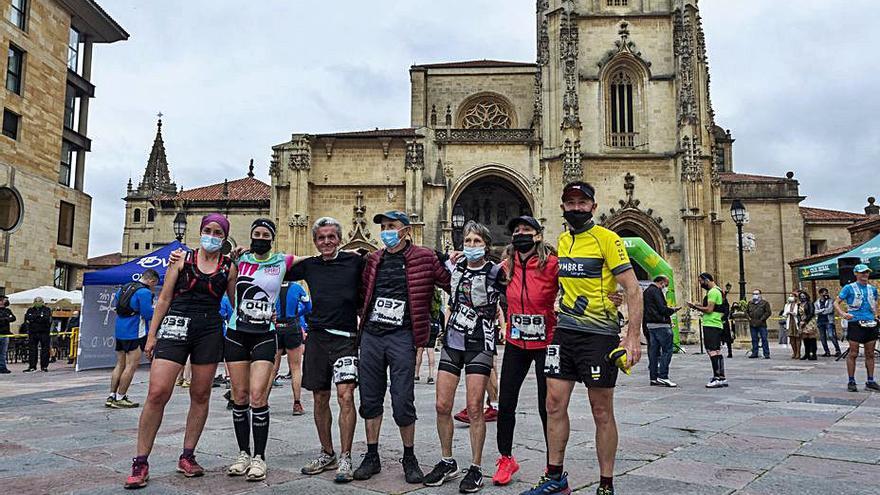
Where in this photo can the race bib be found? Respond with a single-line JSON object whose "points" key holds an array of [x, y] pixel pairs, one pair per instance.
{"points": [[255, 311], [528, 327], [868, 323], [388, 311], [174, 328], [345, 369], [551, 360], [464, 320]]}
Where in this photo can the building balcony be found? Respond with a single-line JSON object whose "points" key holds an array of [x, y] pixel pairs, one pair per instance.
{"points": [[470, 136], [82, 86]]}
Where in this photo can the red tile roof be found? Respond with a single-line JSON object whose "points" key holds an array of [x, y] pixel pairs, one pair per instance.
{"points": [[247, 189], [867, 223], [111, 259], [475, 64], [821, 214], [735, 177], [407, 132]]}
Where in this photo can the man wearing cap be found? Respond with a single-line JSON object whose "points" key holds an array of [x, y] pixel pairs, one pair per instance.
{"points": [[398, 286], [592, 262], [861, 316]]}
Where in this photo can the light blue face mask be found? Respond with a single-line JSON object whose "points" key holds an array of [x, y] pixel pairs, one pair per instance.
{"points": [[474, 253], [210, 243], [391, 238]]}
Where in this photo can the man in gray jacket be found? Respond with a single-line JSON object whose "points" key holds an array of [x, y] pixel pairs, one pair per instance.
{"points": [[825, 320], [759, 312]]}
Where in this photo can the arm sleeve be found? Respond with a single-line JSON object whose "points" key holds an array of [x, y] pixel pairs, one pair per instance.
{"points": [[296, 272], [615, 254], [305, 303], [115, 301], [145, 304]]}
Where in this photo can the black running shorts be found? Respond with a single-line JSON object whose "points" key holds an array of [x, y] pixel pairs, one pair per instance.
{"points": [[582, 357], [329, 359], [128, 345], [196, 336], [712, 338], [855, 332], [244, 346], [473, 362], [289, 339]]}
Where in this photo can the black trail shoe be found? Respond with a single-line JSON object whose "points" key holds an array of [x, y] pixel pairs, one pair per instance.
{"points": [[411, 470], [369, 466], [472, 482], [442, 472]]}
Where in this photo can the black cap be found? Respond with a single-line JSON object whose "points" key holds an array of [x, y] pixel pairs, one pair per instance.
{"points": [[584, 187], [706, 276], [392, 215], [530, 221]]}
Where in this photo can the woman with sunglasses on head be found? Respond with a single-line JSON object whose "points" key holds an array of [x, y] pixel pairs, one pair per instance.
{"points": [[186, 324]]}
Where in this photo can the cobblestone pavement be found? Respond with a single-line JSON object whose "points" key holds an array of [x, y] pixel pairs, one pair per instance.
{"points": [[782, 427]]}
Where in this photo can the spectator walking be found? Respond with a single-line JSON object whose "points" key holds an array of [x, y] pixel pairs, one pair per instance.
{"points": [[6, 317], [37, 322], [759, 312], [825, 321], [657, 320], [808, 329]]}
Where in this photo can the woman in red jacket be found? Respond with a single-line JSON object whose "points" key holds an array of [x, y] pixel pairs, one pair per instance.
{"points": [[531, 266]]}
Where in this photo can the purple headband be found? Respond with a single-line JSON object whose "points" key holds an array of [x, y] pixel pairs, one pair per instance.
{"points": [[216, 217]]}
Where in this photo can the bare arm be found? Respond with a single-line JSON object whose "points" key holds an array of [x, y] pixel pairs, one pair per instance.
{"points": [[162, 305], [634, 310], [839, 309], [231, 281]]}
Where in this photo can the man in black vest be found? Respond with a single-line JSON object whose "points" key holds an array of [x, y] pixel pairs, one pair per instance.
{"points": [[37, 321]]}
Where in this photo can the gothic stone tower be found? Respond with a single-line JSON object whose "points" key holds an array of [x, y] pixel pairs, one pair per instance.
{"points": [[622, 90]]}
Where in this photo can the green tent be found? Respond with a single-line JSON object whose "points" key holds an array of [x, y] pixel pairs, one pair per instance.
{"points": [[639, 251], [868, 252]]}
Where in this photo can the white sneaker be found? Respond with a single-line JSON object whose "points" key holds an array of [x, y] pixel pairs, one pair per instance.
{"points": [[240, 466], [714, 383], [257, 469], [723, 382], [344, 473], [324, 462], [667, 382]]}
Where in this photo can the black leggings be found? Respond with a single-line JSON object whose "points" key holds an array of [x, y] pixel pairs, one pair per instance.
{"points": [[514, 368]]}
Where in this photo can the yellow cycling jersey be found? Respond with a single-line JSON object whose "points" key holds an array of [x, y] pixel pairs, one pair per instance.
{"points": [[588, 263]]}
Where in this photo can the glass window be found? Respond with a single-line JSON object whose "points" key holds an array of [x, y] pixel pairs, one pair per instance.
{"points": [[137, 246], [62, 276], [73, 50], [10, 123], [151, 215], [14, 69], [18, 13], [70, 108], [147, 246], [620, 110], [137, 215], [66, 163], [65, 224], [616, 3]]}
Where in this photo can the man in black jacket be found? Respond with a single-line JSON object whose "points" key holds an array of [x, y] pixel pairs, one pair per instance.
{"points": [[659, 328], [38, 320], [6, 317]]}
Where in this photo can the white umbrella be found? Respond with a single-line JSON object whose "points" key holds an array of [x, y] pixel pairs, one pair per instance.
{"points": [[49, 294]]}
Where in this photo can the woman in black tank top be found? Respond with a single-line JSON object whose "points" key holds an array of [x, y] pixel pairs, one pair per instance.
{"points": [[186, 324]]}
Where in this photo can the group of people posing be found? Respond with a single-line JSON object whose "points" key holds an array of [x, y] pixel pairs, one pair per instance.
{"points": [[369, 316]]}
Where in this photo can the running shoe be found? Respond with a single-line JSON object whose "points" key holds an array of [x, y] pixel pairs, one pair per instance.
{"points": [[715, 382], [369, 466], [463, 416], [666, 382], [44, 370], [655, 383], [723, 382], [430, 380], [140, 474], [277, 383], [124, 403], [873, 386], [490, 414], [179, 382], [411, 470], [505, 467], [298, 409], [29, 370], [324, 462], [186, 384], [110, 400], [240, 466], [257, 470], [416, 379], [547, 486], [604, 491], [345, 472], [851, 386], [189, 467], [218, 381], [472, 482], [443, 471]]}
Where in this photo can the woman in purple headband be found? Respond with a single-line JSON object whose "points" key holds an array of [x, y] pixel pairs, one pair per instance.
{"points": [[186, 324]]}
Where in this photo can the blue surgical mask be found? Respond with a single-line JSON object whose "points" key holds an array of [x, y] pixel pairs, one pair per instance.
{"points": [[210, 243], [474, 253], [391, 238]]}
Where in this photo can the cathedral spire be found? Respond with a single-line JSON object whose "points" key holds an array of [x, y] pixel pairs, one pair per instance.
{"points": [[157, 178]]}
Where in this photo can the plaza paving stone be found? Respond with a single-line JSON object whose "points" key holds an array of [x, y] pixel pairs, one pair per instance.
{"points": [[782, 427]]}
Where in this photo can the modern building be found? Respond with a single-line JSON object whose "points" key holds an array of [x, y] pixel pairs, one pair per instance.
{"points": [[44, 212]]}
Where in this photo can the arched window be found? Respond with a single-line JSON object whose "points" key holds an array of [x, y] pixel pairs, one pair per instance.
{"points": [[151, 215], [137, 215], [622, 100], [486, 111]]}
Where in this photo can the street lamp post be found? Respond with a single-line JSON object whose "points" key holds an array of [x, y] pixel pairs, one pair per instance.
{"points": [[738, 214], [180, 226], [457, 226]]}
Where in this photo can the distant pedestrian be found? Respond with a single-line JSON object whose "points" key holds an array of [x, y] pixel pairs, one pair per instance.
{"points": [[808, 329], [759, 312], [6, 317], [825, 321], [792, 325], [657, 320], [37, 322], [713, 328], [727, 334]]}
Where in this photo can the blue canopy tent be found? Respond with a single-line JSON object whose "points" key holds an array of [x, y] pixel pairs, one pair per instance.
{"points": [[97, 345], [868, 253]]}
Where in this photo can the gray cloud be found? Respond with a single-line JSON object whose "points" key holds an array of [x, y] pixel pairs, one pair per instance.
{"points": [[790, 79]]}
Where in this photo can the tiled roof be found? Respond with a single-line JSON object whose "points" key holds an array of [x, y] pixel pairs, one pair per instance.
{"points": [[815, 258], [735, 177], [407, 132], [475, 64], [247, 189], [821, 214], [111, 259], [871, 221]]}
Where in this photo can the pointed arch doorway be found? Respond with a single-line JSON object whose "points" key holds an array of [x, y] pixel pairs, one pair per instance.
{"points": [[493, 200]]}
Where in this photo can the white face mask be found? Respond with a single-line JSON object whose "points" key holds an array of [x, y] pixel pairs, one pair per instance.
{"points": [[791, 299]]}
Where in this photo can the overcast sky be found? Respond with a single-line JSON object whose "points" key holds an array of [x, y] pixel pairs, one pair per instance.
{"points": [[795, 81]]}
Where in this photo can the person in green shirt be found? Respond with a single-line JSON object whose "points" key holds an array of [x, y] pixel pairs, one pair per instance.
{"points": [[713, 328]]}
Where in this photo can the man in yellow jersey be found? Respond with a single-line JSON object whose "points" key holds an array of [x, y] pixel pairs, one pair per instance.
{"points": [[592, 262]]}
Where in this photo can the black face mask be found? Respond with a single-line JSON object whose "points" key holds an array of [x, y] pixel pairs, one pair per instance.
{"points": [[577, 219], [523, 243], [260, 246]]}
